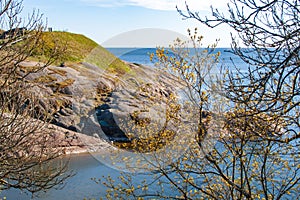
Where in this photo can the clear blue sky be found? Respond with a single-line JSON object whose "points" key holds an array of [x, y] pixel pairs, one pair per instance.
{"points": [[101, 20]]}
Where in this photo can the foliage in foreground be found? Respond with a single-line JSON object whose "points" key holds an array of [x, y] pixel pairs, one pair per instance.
{"points": [[250, 147], [28, 148]]}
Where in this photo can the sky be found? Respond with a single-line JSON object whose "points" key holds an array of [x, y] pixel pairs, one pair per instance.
{"points": [[130, 23]]}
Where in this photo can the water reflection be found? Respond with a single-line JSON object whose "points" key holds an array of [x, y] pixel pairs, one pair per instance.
{"points": [[79, 186]]}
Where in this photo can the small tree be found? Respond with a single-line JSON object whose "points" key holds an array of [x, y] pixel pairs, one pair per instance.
{"points": [[270, 30], [256, 152], [27, 145]]}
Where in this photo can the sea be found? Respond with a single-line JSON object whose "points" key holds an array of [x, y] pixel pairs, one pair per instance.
{"points": [[142, 56], [86, 166]]}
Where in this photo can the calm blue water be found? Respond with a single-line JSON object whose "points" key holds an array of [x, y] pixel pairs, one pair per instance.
{"points": [[79, 186], [134, 55], [142, 56]]}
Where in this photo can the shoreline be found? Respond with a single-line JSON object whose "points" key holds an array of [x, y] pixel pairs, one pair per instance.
{"points": [[78, 143]]}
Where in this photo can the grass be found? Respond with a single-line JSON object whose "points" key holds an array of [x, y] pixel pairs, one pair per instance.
{"points": [[77, 48], [73, 47], [107, 61]]}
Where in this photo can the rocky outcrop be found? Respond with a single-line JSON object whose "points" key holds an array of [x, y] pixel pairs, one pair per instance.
{"points": [[74, 143], [92, 107]]}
